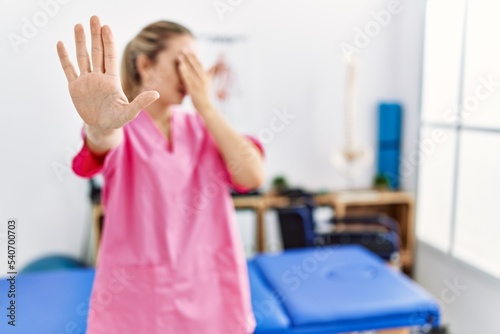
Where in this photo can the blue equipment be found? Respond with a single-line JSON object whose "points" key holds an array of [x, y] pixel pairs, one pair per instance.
{"points": [[389, 143], [320, 290]]}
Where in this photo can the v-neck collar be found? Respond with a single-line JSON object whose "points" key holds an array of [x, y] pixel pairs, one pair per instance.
{"points": [[158, 135]]}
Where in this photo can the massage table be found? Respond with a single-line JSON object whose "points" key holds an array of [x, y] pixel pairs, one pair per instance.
{"points": [[320, 290]]}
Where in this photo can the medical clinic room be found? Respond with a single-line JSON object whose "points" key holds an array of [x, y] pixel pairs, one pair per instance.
{"points": [[237, 167]]}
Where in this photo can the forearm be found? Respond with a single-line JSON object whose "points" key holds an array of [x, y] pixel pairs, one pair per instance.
{"points": [[101, 141], [241, 156]]}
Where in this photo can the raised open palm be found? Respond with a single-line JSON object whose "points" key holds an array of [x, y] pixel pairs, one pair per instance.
{"points": [[97, 93]]}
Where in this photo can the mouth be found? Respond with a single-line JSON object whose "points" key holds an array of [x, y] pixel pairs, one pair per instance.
{"points": [[182, 91]]}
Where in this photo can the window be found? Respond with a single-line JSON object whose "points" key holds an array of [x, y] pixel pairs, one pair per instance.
{"points": [[459, 167]]}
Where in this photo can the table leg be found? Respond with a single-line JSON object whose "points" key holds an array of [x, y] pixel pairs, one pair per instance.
{"points": [[260, 232]]}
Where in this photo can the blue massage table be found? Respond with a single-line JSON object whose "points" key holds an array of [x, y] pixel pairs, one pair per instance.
{"points": [[308, 291]]}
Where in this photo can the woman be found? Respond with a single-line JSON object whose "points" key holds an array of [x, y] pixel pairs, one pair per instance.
{"points": [[170, 260]]}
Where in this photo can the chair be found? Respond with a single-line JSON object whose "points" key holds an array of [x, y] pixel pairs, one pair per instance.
{"points": [[378, 233]]}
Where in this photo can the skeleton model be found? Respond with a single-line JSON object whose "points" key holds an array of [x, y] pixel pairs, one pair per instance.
{"points": [[352, 159]]}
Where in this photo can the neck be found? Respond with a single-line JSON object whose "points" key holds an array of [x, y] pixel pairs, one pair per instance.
{"points": [[159, 113]]}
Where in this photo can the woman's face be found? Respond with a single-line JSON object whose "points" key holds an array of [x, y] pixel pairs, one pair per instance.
{"points": [[164, 76]]}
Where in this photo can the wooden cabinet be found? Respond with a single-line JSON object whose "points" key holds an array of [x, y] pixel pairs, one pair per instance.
{"points": [[398, 205]]}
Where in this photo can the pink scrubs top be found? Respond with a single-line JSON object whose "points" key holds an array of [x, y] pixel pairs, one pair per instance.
{"points": [[170, 258]]}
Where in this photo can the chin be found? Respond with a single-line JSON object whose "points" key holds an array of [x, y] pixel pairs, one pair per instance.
{"points": [[181, 99], [174, 101]]}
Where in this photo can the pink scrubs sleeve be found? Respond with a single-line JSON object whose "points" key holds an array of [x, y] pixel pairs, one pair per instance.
{"points": [[86, 163], [259, 146]]}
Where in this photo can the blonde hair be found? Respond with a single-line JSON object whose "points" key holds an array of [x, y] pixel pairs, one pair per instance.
{"points": [[150, 41]]}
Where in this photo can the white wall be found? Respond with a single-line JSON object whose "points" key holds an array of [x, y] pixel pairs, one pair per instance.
{"points": [[296, 63]]}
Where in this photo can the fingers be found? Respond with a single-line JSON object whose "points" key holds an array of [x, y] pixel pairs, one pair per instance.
{"points": [[190, 67], [69, 69], [82, 55], [187, 72], [194, 63], [97, 45], [213, 70], [110, 58], [140, 102], [182, 67]]}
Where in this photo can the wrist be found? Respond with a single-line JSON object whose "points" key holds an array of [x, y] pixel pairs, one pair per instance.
{"points": [[101, 140], [95, 133], [206, 109]]}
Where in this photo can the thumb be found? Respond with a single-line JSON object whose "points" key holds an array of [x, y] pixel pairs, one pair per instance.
{"points": [[140, 102], [212, 71]]}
